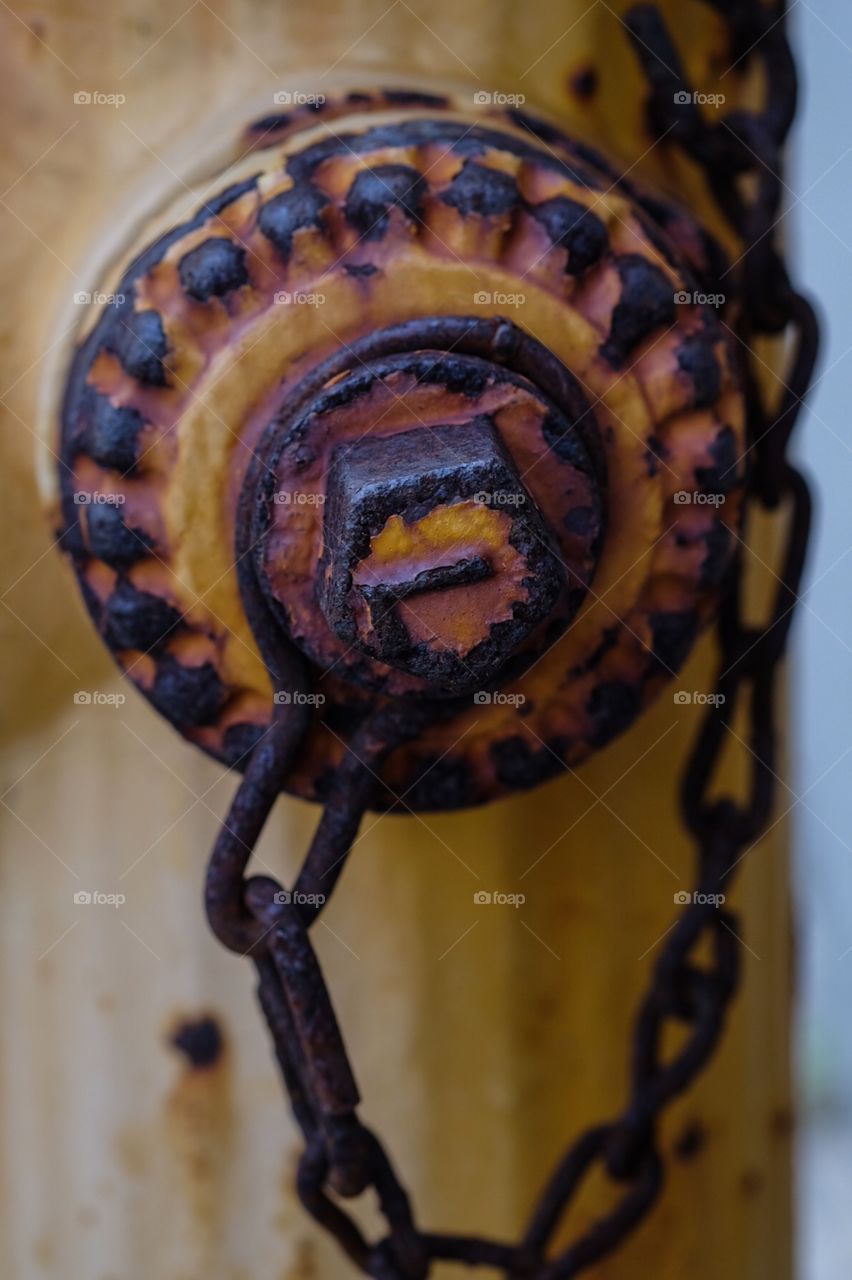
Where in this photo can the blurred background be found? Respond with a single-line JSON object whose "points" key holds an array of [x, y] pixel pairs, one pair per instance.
{"points": [[821, 230]]}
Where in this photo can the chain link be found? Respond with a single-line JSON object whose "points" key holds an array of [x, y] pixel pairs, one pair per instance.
{"points": [[258, 918]]}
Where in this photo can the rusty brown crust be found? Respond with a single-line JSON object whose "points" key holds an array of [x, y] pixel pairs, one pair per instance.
{"points": [[407, 213]]}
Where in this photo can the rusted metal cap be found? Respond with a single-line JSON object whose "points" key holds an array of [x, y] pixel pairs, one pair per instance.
{"points": [[438, 399], [434, 559], [436, 567]]}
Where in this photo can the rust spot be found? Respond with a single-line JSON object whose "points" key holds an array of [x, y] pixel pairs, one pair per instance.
{"points": [[304, 1264], [38, 27], [199, 1124], [583, 83], [132, 1152], [692, 1141], [200, 1041], [751, 1183], [782, 1122], [44, 1251]]}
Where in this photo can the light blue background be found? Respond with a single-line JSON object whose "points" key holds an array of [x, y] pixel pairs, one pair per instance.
{"points": [[819, 227]]}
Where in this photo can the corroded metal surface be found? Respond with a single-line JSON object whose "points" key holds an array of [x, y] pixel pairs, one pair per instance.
{"points": [[423, 497], [364, 283]]}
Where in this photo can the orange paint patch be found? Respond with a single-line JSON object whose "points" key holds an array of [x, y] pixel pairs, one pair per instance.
{"points": [[456, 619]]}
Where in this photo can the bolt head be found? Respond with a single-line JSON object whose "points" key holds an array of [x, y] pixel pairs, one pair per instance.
{"points": [[435, 557]]}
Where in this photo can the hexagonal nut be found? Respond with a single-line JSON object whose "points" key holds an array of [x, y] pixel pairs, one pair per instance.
{"points": [[435, 558]]}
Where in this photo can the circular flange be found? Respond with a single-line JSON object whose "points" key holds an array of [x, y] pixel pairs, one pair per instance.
{"points": [[413, 268]]}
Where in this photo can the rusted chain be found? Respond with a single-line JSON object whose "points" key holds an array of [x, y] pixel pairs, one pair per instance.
{"points": [[258, 917]]}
